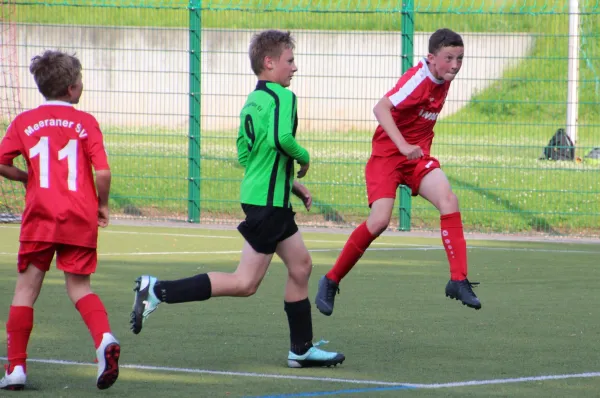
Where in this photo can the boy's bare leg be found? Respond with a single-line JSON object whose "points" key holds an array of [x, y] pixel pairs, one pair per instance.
{"points": [[358, 242], [435, 187], [78, 286], [246, 279], [28, 287], [243, 282], [295, 255], [302, 353]]}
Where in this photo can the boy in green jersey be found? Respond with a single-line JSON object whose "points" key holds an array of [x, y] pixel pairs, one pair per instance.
{"points": [[267, 149]]}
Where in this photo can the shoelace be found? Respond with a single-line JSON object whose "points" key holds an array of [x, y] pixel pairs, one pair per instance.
{"points": [[332, 290], [471, 285], [320, 343]]}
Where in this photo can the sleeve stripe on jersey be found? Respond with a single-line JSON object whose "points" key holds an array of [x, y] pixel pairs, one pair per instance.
{"points": [[408, 87]]}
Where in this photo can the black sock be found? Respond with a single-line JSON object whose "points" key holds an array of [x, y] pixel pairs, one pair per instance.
{"points": [[300, 321], [196, 288]]}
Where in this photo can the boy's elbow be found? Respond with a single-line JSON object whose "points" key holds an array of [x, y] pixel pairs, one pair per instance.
{"points": [[286, 144], [12, 173], [377, 110], [242, 159], [103, 173], [383, 105], [377, 113], [379, 107]]}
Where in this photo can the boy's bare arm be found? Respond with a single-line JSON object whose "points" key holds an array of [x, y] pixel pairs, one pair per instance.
{"points": [[103, 186], [303, 193], [13, 173], [382, 111]]}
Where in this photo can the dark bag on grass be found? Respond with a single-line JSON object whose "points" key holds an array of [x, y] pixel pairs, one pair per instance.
{"points": [[560, 147], [594, 154]]}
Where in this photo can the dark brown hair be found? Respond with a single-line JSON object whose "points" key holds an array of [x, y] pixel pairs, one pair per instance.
{"points": [[444, 38], [54, 72]]}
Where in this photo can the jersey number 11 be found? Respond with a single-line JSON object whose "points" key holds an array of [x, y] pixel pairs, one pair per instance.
{"points": [[42, 149]]}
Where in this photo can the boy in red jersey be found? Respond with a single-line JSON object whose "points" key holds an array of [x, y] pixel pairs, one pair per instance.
{"points": [[62, 210], [401, 155]]}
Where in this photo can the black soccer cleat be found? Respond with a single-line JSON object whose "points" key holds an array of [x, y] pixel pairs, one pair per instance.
{"points": [[144, 302], [463, 291], [326, 295]]}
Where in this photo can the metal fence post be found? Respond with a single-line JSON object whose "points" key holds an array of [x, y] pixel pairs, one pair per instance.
{"points": [[408, 34], [194, 154]]}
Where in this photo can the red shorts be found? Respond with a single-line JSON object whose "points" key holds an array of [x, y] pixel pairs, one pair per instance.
{"points": [[385, 174], [73, 259]]}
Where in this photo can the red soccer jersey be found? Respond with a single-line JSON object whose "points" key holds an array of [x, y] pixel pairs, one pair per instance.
{"points": [[418, 98], [60, 144]]}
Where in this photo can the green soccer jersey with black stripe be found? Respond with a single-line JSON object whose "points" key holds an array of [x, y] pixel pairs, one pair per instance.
{"points": [[267, 145]]}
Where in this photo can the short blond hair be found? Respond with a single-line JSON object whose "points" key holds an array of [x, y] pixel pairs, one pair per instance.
{"points": [[269, 43]]}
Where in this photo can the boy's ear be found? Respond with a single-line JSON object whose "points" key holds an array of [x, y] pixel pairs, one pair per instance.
{"points": [[71, 90], [268, 63], [430, 57]]}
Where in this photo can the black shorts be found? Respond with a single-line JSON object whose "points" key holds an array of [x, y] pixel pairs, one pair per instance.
{"points": [[264, 227]]}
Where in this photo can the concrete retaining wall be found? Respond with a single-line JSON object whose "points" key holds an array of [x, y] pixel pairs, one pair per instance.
{"points": [[139, 76]]}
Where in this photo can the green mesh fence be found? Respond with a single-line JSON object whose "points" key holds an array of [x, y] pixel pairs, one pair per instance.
{"points": [[167, 79], [135, 83], [9, 107]]}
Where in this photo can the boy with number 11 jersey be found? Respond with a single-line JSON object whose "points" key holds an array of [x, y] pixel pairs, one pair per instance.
{"points": [[63, 210]]}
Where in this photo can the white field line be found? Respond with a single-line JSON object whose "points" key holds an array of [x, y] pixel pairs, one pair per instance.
{"points": [[328, 379], [216, 372]]}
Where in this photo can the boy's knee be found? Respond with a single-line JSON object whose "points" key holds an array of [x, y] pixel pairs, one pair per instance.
{"points": [[76, 294], [78, 286], [28, 286], [378, 224], [380, 216], [246, 287], [25, 294], [449, 203], [300, 271]]}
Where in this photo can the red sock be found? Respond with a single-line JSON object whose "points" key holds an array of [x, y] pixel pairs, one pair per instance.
{"points": [[18, 330], [359, 241], [455, 245], [94, 315]]}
